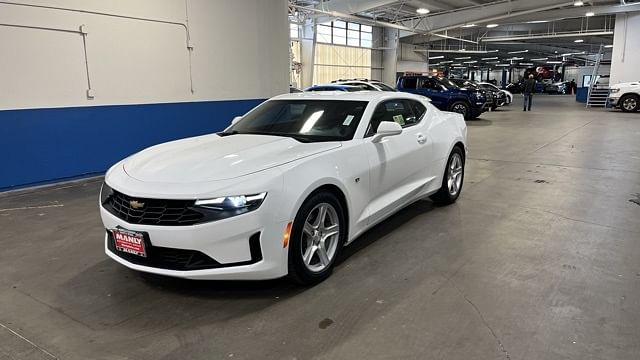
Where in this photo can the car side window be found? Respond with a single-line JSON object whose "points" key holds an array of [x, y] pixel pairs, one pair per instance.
{"points": [[418, 110], [428, 83], [362, 86], [398, 110], [409, 83]]}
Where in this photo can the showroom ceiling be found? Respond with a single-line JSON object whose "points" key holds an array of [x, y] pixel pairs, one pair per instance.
{"points": [[546, 28]]}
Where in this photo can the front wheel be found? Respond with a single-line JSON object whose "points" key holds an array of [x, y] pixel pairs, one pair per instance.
{"points": [[452, 180], [461, 107], [318, 233], [630, 103]]}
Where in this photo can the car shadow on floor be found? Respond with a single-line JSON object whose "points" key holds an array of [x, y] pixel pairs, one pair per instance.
{"points": [[479, 122], [280, 287]]}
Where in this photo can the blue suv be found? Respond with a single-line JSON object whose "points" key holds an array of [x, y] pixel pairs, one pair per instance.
{"points": [[446, 95]]}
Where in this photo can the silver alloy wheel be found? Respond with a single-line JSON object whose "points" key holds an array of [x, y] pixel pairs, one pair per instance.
{"points": [[460, 109], [454, 174], [320, 236], [630, 104]]}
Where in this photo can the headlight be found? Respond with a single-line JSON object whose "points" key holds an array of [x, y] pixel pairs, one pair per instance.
{"points": [[235, 203], [614, 90], [105, 193]]}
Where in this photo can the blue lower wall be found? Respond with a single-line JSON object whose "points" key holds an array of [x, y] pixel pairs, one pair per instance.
{"points": [[44, 145]]}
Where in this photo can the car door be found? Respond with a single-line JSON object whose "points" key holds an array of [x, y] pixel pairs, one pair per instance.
{"points": [[399, 164], [434, 90]]}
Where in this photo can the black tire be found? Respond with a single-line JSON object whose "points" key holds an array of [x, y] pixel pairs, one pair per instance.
{"points": [[461, 107], [444, 196], [632, 99], [298, 271], [494, 107]]}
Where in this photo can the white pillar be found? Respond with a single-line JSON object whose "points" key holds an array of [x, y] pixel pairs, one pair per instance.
{"points": [[390, 56], [626, 52], [307, 53]]}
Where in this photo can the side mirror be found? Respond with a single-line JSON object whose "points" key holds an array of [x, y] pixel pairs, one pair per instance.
{"points": [[236, 119], [386, 128]]}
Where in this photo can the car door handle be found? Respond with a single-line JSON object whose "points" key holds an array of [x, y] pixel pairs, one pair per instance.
{"points": [[421, 139]]}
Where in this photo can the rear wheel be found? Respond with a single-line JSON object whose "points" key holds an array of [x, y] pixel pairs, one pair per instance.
{"points": [[461, 107], [630, 103], [317, 236], [452, 180]]}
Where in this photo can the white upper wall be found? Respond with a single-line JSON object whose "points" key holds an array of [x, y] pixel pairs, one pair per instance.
{"points": [[626, 49], [137, 51]]}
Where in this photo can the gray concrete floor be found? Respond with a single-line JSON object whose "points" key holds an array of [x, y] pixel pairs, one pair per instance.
{"points": [[539, 259]]}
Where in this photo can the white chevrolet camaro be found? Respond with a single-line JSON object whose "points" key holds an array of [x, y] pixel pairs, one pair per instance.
{"points": [[282, 189]]}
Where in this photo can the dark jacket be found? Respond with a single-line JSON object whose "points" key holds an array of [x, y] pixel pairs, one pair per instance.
{"points": [[529, 86]]}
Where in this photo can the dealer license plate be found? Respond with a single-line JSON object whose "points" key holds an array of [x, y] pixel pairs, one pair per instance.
{"points": [[129, 242]]}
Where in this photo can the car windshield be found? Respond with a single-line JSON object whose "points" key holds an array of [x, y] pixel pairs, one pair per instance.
{"points": [[448, 83], [304, 120]]}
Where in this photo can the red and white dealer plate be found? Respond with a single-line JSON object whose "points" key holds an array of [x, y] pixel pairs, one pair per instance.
{"points": [[129, 242]]}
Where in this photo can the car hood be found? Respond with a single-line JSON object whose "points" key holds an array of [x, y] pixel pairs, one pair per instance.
{"points": [[213, 157]]}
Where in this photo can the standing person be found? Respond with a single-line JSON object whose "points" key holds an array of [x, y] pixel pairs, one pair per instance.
{"points": [[529, 88], [574, 86]]}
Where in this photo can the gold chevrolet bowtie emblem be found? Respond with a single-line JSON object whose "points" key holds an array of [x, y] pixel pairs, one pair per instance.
{"points": [[135, 204]]}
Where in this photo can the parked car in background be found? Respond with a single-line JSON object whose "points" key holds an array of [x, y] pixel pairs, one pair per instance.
{"points": [[493, 97], [625, 96], [514, 88], [293, 90], [335, 87], [283, 189], [561, 87], [374, 85], [508, 97], [446, 95]]}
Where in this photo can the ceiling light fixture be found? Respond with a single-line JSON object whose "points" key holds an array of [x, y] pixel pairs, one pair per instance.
{"points": [[503, 65], [491, 58], [471, 62], [590, 13], [516, 58], [608, 46], [436, 57], [578, 41], [468, 25], [423, 11], [463, 58], [518, 52], [540, 59], [578, 3], [554, 62], [526, 64], [491, 26], [537, 22]]}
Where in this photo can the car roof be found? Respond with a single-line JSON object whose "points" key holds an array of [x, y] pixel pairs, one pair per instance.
{"points": [[365, 95], [335, 86]]}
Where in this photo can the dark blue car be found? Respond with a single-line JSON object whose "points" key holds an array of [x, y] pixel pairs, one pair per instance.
{"points": [[446, 95]]}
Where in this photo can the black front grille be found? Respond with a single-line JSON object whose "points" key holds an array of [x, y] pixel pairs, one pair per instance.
{"points": [[182, 259], [153, 211]]}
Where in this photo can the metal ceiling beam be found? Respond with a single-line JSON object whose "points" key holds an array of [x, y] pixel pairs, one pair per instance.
{"points": [[544, 36], [576, 12], [483, 14]]}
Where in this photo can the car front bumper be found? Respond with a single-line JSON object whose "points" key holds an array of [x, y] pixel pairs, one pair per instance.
{"points": [[613, 101], [244, 247]]}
